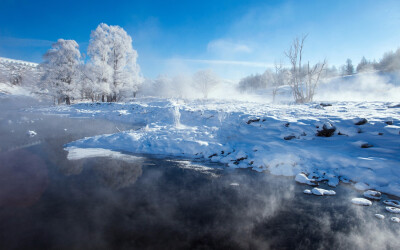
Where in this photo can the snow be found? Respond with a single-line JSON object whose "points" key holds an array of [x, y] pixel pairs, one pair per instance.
{"points": [[394, 203], [395, 219], [75, 153], [307, 191], [371, 194], [302, 178], [321, 192], [220, 131], [394, 210], [380, 216], [361, 202]]}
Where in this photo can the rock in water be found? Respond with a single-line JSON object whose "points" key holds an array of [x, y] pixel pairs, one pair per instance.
{"points": [[302, 178], [380, 216], [307, 191], [321, 191], [393, 203], [394, 210], [371, 194], [361, 122], [361, 202], [395, 219]]}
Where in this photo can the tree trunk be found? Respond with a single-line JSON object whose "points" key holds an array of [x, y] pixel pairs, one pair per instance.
{"points": [[67, 100], [102, 98]]}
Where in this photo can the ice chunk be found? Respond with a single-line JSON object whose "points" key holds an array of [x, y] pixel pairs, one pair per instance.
{"points": [[371, 194], [380, 216], [394, 203], [31, 133], [302, 178], [234, 184], [361, 202], [307, 191], [321, 191], [395, 219], [394, 210], [361, 186]]}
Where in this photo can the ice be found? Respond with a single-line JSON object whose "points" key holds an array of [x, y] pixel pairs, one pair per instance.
{"points": [[361, 202], [394, 203], [321, 191], [307, 191], [371, 194], [394, 210], [380, 216]]}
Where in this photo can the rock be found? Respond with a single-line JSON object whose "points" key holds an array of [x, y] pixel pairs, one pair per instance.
{"points": [[321, 191], [31, 133], [395, 219], [289, 137], [393, 203], [307, 191], [366, 145], [395, 106], [389, 122], [325, 104], [302, 178], [327, 130], [394, 210], [286, 124], [380, 216], [361, 202], [361, 122], [253, 120], [371, 194]]}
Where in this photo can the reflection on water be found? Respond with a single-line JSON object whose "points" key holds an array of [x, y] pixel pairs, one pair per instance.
{"points": [[51, 198]]}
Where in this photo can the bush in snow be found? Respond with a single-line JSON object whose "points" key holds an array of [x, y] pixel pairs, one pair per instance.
{"points": [[205, 81]]}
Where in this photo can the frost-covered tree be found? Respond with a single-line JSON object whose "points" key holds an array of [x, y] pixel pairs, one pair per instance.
{"points": [[205, 81], [348, 68], [390, 62], [303, 78], [113, 62], [61, 70]]}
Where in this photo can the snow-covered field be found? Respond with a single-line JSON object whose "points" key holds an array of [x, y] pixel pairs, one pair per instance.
{"points": [[363, 148]]}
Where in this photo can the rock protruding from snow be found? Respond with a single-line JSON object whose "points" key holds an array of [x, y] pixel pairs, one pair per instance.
{"points": [[321, 191], [327, 130], [361, 186], [31, 133], [393, 203], [307, 191], [302, 178], [361, 122], [372, 194], [380, 216], [394, 210], [395, 219], [361, 202]]}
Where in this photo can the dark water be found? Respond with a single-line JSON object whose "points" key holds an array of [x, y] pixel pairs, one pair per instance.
{"points": [[50, 202]]}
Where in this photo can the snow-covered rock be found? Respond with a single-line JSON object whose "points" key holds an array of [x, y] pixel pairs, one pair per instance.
{"points": [[393, 203], [307, 191], [371, 194], [395, 219], [361, 202], [321, 191], [380, 216], [31, 133], [394, 210], [302, 178]]}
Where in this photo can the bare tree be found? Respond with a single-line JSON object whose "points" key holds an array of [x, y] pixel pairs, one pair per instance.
{"points": [[279, 78], [205, 81], [303, 79]]}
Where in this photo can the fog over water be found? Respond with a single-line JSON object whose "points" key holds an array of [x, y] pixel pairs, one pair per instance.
{"points": [[52, 200]]}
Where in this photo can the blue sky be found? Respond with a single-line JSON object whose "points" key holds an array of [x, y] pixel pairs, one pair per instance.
{"points": [[235, 38]]}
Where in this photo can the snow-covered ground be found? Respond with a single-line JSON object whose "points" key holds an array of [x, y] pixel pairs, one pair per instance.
{"points": [[280, 139]]}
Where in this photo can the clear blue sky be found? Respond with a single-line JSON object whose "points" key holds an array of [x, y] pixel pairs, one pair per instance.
{"points": [[233, 37]]}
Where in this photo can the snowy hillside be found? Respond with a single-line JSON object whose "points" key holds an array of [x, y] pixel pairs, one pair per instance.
{"points": [[341, 141], [18, 77]]}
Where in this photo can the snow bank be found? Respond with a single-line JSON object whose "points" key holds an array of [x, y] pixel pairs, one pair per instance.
{"points": [[251, 134]]}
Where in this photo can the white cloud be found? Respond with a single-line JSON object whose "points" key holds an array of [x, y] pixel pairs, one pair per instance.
{"points": [[223, 47]]}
